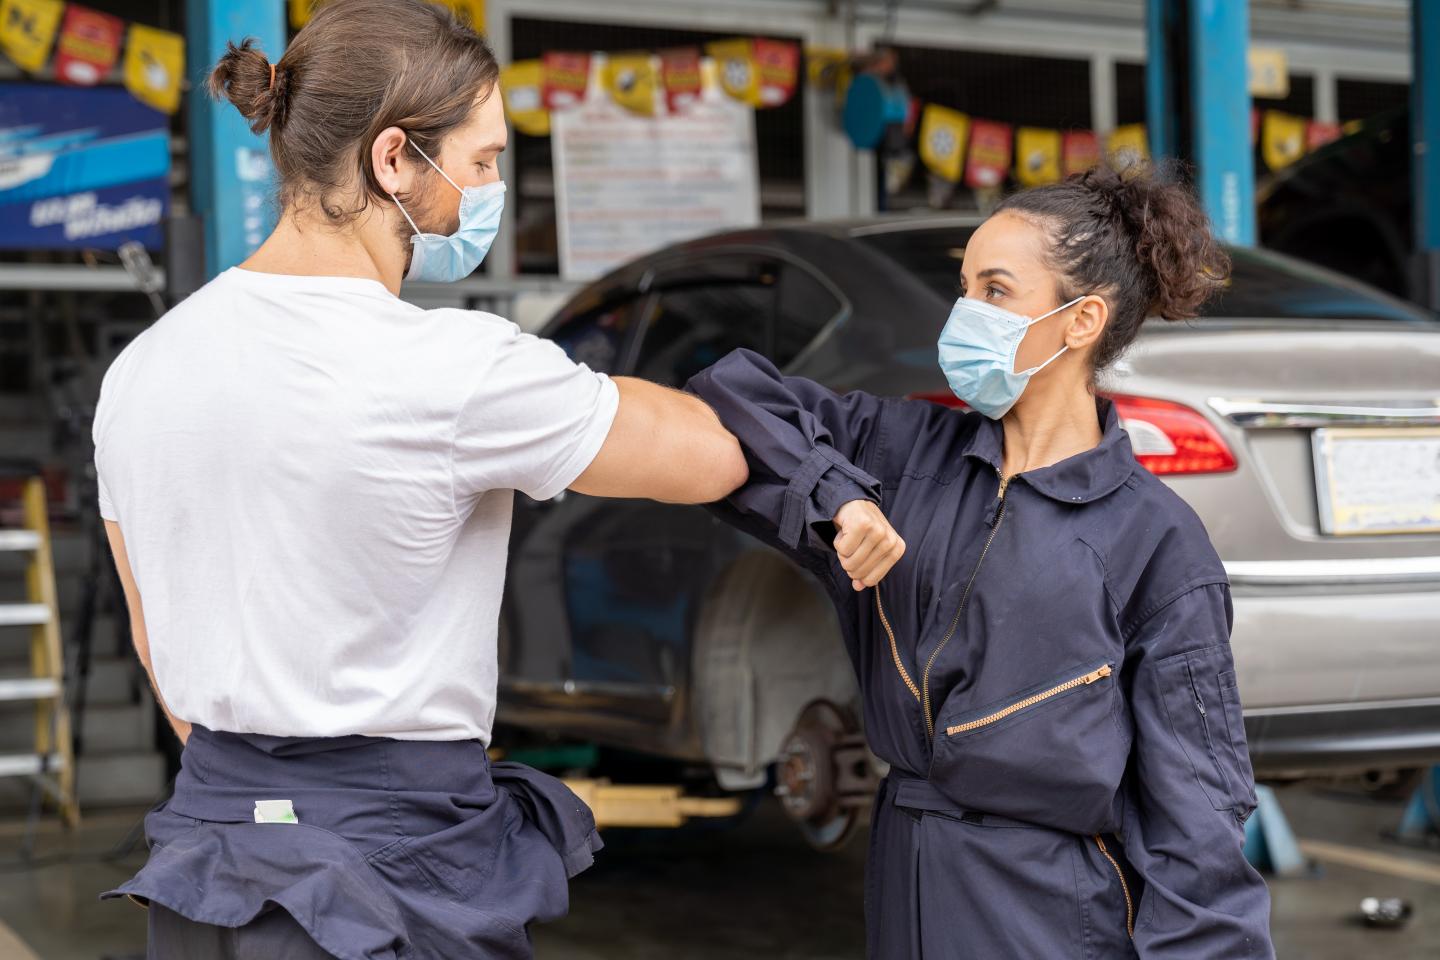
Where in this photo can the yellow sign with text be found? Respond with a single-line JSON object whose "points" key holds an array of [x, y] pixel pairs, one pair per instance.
{"points": [[27, 31]]}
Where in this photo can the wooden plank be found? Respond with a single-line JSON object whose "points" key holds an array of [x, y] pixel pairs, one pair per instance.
{"points": [[643, 805], [12, 947], [1371, 860]]}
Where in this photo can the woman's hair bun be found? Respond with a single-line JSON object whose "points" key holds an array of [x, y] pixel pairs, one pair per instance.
{"points": [[1170, 231], [243, 76]]}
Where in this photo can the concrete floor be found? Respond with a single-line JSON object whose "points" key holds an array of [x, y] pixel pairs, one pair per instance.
{"points": [[757, 890]]}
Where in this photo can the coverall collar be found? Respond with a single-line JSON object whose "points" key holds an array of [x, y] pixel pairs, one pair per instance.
{"points": [[1082, 478]]}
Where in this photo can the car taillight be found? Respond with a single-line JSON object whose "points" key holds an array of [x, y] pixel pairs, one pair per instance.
{"points": [[945, 398], [1170, 438]]}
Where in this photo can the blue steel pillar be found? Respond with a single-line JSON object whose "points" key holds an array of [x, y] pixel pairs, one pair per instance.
{"points": [[1198, 103], [1165, 58], [231, 177], [1425, 140]]}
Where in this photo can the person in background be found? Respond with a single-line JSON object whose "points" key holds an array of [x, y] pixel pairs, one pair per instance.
{"points": [[1042, 637], [307, 484]]}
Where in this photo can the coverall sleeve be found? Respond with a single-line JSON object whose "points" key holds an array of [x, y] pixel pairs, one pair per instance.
{"points": [[802, 442], [1193, 788]]}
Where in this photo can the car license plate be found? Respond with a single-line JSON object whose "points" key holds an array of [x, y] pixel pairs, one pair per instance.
{"points": [[1377, 480]]}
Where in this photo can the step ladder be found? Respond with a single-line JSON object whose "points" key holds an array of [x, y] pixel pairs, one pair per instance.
{"points": [[52, 764]]}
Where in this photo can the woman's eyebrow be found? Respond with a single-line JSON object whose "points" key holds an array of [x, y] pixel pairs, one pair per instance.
{"points": [[995, 272]]}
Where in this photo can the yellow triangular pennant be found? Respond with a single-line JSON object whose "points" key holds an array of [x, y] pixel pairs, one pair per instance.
{"points": [[522, 88], [631, 81], [1127, 145], [154, 65], [943, 134], [27, 31], [1037, 156], [735, 63], [1282, 139]]}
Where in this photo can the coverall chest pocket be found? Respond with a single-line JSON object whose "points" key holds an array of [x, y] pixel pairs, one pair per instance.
{"points": [[1051, 754], [1202, 700]]}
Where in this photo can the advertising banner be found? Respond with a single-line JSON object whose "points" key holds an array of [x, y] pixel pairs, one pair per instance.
{"points": [[80, 168]]}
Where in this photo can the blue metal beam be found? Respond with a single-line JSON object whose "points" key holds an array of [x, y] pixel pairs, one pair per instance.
{"points": [[1425, 140], [1198, 103], [1220, 112], [231, 177], [1161, 117]]}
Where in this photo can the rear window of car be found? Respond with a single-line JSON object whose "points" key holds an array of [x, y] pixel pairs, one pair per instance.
{"points": [[1263, 285]]}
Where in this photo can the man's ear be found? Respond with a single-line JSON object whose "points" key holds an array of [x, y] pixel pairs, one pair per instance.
{"points": [[387, 159], [1087, 322]]}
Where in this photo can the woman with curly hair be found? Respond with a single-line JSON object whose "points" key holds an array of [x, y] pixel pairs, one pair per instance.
{"points": [[1046, 666]]}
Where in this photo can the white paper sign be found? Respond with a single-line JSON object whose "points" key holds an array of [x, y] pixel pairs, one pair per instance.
{"points": [[626, 184]]}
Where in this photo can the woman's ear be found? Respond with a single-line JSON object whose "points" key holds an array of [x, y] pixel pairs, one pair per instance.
{"points": [[1087, 322], [391, 172]]}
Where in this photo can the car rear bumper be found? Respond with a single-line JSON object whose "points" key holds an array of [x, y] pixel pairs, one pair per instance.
{"points": [[1344, 738], [1301, 644]]}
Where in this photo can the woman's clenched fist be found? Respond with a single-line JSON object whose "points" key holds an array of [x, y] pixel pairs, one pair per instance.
{"points": [[868, 546]]}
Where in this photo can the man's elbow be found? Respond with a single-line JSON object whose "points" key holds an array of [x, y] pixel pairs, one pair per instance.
{"points": [[731, 471], [728, 470]]}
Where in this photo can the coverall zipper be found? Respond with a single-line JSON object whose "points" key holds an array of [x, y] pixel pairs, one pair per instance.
{"points": [[1124, 888], [923, 695], [1028, 702], [964, 599]]}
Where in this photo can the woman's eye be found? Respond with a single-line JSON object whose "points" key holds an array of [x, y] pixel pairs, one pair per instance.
{"points": [[992, 291], [483, 165]]}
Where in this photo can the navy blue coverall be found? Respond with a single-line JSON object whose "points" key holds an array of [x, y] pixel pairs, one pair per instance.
{"points": [[1047, 671]]}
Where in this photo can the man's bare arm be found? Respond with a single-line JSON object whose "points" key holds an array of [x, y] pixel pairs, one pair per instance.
{"points": [[664, 445], [137, 622]]}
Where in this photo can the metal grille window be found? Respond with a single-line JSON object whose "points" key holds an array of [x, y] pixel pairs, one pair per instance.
{"points": [[1361, 99], [1129, 93], [1300, 102], [779, 131]]}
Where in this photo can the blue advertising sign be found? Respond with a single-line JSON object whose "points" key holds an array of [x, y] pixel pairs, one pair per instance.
{"points": [[80, 168]]}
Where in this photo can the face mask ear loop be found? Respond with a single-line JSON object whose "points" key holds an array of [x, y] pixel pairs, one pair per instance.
{"points": [[1034, 370], [1052, 313], [406, 216], [442, 172]]}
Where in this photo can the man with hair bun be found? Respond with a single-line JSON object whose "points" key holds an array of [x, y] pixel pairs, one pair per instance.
{"points": [[307, 484]]}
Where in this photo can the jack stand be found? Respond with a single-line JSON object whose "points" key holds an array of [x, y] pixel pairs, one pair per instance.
{"points": [[1421, 822], [1270, 844]]}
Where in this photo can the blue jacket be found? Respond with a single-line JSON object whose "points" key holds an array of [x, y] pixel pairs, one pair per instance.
{"points": [[1047, 671]]}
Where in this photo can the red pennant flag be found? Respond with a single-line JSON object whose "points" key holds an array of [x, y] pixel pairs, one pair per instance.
{"points": [[1319, 133], [88, 47], [566, 77], [1079, 151], [680, 76], [989, 159], [778, 62]]}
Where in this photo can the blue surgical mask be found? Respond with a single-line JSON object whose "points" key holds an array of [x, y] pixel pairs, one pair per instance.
{"points": [[446, 259], [977, 353]]}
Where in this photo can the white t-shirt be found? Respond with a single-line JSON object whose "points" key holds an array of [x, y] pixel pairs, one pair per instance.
{"points": [[314, 481]]}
